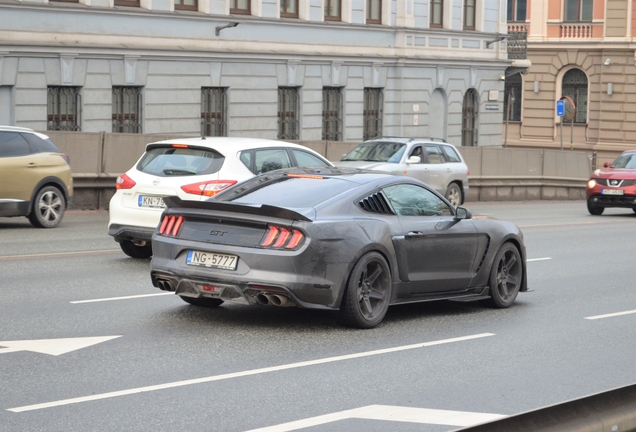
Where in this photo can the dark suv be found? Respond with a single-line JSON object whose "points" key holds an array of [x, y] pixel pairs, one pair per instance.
{"points": [[35, 177]]}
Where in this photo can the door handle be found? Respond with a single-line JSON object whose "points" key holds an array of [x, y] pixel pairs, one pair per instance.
{"points": [[415, 234], [32, 165]]}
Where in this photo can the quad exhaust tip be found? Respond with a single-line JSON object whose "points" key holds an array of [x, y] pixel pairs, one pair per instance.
{"points": [[273, 300]]}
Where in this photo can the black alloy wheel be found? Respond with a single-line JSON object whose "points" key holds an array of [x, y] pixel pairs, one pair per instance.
{"points": [[136, 249], [595, 210], [202, 301], [506, 277], [368, 293], [48, 208]]}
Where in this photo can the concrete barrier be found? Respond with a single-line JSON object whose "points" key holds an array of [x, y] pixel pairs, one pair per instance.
{"points": [[496, 174], [613, 410]]}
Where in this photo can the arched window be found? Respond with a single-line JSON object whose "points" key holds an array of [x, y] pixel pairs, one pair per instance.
{"points": [[575, 86], [469, 118], [512, 97]]}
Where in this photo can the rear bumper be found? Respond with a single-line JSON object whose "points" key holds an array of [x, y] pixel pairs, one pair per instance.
{"points": [[127, 232]]}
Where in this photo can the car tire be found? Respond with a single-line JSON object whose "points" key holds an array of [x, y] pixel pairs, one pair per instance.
{"points": [[368, 292], [48, 208], [143, 249], [202, 301], [594, 209], [454, 194], [506, 277]]}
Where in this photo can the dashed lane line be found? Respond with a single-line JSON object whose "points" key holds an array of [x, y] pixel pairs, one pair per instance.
{"points": [[121, 298], [57, 254], [242, 374], [611, 315]]}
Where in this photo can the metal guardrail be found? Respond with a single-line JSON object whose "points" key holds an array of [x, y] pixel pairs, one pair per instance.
{"points": [[610, 411]]}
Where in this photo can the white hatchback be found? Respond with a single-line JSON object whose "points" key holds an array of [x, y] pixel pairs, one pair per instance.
{"points": [[192, 169]]}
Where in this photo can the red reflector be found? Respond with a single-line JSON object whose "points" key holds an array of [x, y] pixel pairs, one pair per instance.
{"points": [[272, 232], [208, 288], [296, 238], [282, 238]]}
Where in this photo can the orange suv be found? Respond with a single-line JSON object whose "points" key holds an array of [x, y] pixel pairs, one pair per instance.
{"points": [[35, 177]]}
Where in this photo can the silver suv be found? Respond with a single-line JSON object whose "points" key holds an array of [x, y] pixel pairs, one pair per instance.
{"points": [[431, 160]]}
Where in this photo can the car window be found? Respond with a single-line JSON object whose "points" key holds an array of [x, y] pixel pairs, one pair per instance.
{"points": [[451, 154], [417, 151], [39, 145], [246, 157], [271, 159], [377, 152], [625, 161], [170, 162], [305, 159], [413, 200], [295, 192], [434, 154], [13, 144]]}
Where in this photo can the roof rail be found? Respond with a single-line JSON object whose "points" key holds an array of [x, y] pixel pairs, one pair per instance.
{"points": [[428, 138], [16, 128]]}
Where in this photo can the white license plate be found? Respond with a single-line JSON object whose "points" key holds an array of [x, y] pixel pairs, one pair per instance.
{"points": [[612, 192], [212, 260], [151, 201]]}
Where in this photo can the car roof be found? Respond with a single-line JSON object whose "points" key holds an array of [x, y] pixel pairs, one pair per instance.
{"points": [[22, 129], [225, 145], [406, 140]]}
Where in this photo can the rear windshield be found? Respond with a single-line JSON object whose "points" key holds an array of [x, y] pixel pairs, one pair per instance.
{"points": [[627, 160], [377, 152], [170, 162], [296, 192]]}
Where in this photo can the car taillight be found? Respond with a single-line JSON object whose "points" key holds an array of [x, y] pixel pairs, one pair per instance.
{"points": [[66, 158], [278, 237], [208, 188], [170, 225], [124, 182]]}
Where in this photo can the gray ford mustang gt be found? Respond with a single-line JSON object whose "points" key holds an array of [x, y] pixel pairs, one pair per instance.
{"points": [[336, 239]]}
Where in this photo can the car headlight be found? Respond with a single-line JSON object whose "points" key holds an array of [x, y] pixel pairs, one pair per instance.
{"points": [[591, 183]]}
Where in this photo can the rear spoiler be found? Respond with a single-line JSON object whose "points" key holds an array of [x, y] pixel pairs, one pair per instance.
{"points": [[259, 210]]}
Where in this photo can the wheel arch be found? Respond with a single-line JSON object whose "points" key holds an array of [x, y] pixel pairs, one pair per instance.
{"points": [[49, 181], [516, 242]]}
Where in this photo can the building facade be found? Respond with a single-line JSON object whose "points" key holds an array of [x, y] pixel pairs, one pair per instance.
{"points": [[583, 50], [342, 70]]}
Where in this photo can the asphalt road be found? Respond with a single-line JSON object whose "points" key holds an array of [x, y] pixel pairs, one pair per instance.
{"points": [[162, 365]]}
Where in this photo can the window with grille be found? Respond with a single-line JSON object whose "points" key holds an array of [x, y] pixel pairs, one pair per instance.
{"points": [[512, 98], [579, 10], [213, 111], [374, 11], [437, 13], [289, 8], [333, 10], [332, 113], [575, 86], [469, 118], [469, 14], [132, 3], [127, 105], [372, 113], [63, 108], [186, 5], [517, 10], [240, 7], [288, 106]]}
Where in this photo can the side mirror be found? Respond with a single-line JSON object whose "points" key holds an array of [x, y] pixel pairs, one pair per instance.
{"points": [[462, 213], [414, 160], [606, 164]]}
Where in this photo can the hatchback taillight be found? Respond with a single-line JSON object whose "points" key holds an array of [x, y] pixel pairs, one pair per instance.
{"points": [[278, 237], [170, 225], [124, 182], [208, 188]]}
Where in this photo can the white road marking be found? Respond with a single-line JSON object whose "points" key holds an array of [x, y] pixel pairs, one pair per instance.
{"points": [[243, 373], [41, 255], [121, 298], [390, 413], [52, 346], [611, 315], [538, 259]]}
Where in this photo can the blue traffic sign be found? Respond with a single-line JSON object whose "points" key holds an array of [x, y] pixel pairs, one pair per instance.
{"points": [[560, 108]]}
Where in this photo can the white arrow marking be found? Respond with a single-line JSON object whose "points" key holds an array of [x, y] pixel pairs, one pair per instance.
{"points": [[390, 413], [52, 346]]}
